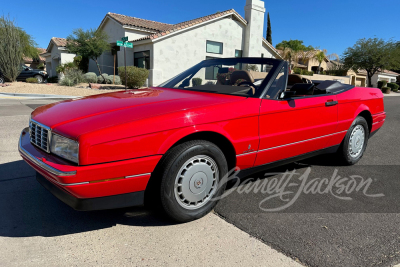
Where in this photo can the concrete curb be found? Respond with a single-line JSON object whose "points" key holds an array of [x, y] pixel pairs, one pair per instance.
{"points": [[38, 96]]}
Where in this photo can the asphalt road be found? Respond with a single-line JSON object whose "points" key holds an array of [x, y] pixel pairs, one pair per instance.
{"points": [[321, 229]]}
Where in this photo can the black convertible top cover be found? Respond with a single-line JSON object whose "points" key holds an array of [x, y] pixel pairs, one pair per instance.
{"points": [[332, 86]]}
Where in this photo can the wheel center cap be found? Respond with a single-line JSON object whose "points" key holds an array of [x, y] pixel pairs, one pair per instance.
{"points": [[198, 182]]}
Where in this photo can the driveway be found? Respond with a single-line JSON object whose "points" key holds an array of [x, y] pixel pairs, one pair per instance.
{"points": [[36, 229]]}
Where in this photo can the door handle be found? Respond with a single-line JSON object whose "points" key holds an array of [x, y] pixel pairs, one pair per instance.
{"points": [[330, 103]]}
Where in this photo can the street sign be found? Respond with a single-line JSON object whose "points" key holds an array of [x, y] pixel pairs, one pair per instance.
{"points": [[124, 39], [129, 45], [120, 43]]}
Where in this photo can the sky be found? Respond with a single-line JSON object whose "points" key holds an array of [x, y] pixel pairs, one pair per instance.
{"points": [[333, 25]]}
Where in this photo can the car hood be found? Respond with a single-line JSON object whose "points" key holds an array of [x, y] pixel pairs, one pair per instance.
{"points": [[126, 106]]}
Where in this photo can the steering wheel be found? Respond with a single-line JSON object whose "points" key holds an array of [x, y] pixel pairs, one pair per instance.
{"points": [[250, 84]]}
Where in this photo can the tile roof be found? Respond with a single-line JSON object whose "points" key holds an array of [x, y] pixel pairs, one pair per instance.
{"points": [[142, 23], [391, 72], [30, 60], [59, 41], [190, 23]]}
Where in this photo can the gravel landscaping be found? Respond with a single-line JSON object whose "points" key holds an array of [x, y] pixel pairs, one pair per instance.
{"points": [[55, 89]]}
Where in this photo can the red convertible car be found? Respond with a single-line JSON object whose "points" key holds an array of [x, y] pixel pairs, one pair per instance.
{"points": [[172, 144]]}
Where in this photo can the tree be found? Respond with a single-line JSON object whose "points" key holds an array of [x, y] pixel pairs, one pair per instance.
{"points": [[15, 44], [320, 56], [89, 44], [269, 30], [295, 45], [372, 55]]}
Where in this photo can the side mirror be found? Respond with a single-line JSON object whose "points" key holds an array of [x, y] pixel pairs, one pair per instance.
{"points": [[287, 94]]}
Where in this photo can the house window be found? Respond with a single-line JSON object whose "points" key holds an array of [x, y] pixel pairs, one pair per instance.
{"points": [[214, 47], [212, 71], [238, 53], [142, 59]]}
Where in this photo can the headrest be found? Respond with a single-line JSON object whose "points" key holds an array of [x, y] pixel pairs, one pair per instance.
{"points": [[241, 74], [294, 78]]}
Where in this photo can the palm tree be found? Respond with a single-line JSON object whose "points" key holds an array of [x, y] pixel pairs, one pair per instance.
{"points": [[320, 56]]}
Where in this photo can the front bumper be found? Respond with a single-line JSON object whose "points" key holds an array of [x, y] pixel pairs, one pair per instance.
{"points": [[84, 184], [98, 203]]}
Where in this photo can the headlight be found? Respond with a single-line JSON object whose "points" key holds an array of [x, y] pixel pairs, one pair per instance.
{"points": [[42, 72], [65, 148]]}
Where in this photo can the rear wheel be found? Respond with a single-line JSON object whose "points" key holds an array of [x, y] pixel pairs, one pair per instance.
{"points": [[355, 142], [190, 179], [39, 78]]}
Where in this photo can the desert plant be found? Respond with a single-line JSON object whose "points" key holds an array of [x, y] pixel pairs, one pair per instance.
{"points": [[72, 77], [135, 78], [31, 80], [104, 78], [90, 44], [62, 68], [382, 84], [197, 81], [252, 67], [386, 90], [393, 86], [90, 77], [116, 79]]}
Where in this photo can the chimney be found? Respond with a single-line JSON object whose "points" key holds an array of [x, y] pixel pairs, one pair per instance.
{"points": [[254, 14]]}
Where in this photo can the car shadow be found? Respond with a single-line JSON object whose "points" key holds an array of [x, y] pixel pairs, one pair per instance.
{"points": [[28, 209]]}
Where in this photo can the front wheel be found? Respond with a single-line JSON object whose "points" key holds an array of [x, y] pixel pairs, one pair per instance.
{"points": [[355, 142], [39, 78], [191, 175]]}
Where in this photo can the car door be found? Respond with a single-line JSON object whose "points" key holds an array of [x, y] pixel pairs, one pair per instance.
{"points": [[296, 126]]}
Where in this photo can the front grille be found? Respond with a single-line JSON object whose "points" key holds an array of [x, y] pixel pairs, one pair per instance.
{"points": [[39, 135]]}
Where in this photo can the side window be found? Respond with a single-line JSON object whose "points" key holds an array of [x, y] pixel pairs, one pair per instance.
{"points": [[279, 84]]}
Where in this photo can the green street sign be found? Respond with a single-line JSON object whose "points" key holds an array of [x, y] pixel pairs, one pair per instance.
{"points": [[124, 39], [120, 43], [129, 45]]}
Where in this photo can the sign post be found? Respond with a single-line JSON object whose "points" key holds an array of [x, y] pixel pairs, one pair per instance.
{"points": [[125, 44]]}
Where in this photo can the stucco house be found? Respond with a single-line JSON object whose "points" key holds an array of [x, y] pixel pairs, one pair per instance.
{"points": [[386, 75], [168, 49], [56, 53]]}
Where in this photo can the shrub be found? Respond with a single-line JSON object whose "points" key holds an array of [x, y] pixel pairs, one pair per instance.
{"points": [[197, 81], [136, 77], [62, 68], [53, 79], [90, 77], [31, 80], [117, 79], [100, 78], [382, 84], [393, 86], [40, 66], [386, 90], [297, 70], [72, 77]]}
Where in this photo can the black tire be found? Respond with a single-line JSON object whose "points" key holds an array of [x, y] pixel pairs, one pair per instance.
{"points": [[39, 78], [347, 156], [173, 161], [1, 79]]}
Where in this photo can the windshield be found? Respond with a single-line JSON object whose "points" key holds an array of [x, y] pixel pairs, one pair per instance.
{"points": [[232, 76]]}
